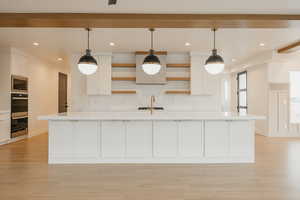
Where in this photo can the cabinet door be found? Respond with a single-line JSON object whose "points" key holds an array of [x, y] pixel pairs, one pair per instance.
{"points": [[61, 138], [242, 138], [86, 138], [165, 135], [4, 130], [190, 138], [139, 139], [113, 138], [216, 138]]}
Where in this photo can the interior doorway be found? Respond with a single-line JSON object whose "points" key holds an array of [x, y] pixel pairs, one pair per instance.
{"points": [[62, 92]]}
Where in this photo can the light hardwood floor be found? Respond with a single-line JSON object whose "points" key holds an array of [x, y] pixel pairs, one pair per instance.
{"points": [[25, 175]]}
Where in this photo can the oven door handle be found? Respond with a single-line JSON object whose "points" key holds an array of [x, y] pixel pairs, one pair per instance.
{"points": [[20, 98]]}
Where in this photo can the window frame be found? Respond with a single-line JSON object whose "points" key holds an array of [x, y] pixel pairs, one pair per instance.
{"points": [[242, 90]]}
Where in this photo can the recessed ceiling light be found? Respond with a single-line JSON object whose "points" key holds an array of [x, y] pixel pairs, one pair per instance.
{"points": [[112, 44], [262, 44], [36, 44], [187, 44], [59, 59]]}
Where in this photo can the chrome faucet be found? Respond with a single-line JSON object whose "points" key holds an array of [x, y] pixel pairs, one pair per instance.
{"points": [[152, 104]]}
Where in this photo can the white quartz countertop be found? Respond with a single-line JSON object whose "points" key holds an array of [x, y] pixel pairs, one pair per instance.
{"points": [[145, 115]]}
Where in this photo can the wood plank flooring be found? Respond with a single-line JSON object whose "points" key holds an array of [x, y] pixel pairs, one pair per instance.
{"points": [[25, 175]]}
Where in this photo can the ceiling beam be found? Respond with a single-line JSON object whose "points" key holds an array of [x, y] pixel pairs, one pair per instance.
{"points": [[99, 20], [289, 47]]}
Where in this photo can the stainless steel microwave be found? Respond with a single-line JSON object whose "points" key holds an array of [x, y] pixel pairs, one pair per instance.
{"points": [[19, 84]]}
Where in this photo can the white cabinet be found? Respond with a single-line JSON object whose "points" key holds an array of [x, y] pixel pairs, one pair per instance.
{"points": [[4, 127], [216, 138], [230, 139], [241, 138], [61, 138], [147, 141], [86, 137], [190, 138], [139, 139], [99, 83], [113, 138], [73, 139], [165, 135], [202, 83]]}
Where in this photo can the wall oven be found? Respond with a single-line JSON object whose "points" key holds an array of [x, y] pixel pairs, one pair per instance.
{"points": [[19, 84], [19, 114]]}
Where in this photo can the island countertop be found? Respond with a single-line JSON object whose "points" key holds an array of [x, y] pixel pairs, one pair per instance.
{"points": [[144, 115]]}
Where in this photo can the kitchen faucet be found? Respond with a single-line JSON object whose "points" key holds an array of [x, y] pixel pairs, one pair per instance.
{"points": [[151, 107], [152, 103]]}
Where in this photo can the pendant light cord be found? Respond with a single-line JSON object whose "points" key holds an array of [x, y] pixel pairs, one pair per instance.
{"points": [[151, 50], [214, 38], [88, 30], [152, 39]]}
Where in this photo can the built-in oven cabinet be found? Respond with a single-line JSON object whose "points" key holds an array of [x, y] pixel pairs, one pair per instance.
{"points": [[4, 127], [19, 114], [19, 105]]}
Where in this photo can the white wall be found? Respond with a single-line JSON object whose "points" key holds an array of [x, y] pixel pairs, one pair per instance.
{"points": [[83, 103], [43, 86], [5, 59], [279, 71], [257, 80]]}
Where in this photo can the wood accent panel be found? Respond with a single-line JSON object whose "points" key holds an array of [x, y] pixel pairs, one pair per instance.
{"points": [[123, 78], [133, 65], [147, 52], [289, 47], [178, 78], [123, 92], [184, 65], [134, 20], [178, 92]]}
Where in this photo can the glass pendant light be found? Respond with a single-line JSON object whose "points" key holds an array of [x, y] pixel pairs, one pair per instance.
{"points": [[87, 63], [215, 63], [151, 64]]}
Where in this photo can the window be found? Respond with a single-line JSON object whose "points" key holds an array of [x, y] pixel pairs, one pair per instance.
{"points": [[242, 92]]}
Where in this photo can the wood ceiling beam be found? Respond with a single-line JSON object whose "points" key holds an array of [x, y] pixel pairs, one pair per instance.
{"points": [[99, 20], [289, 47]]}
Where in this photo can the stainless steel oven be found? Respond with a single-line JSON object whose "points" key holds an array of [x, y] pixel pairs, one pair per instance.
{"points": [[19, 114], [19, 84]]}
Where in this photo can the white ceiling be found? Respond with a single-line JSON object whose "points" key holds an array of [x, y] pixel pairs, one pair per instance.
{"points": [[153, 6], [231, 43]]}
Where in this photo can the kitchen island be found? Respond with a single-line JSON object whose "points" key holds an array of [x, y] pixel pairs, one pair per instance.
{"points": [[139, 137]]}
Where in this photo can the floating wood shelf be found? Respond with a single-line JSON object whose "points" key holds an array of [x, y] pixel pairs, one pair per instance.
{"points": [[147, 52], [178, 78], [184, 65], [123, 78], [123, 92], [123, 65], [178, 92]]}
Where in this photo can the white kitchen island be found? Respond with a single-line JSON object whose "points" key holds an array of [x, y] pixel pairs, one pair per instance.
{"points": [[164, 137]]}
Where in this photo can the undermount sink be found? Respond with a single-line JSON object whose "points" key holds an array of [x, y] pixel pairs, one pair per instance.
{"points": [[149, 108]]}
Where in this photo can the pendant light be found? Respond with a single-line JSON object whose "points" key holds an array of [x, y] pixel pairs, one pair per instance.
{"points": [[87, 63], [215, 63], [151, 64]]}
